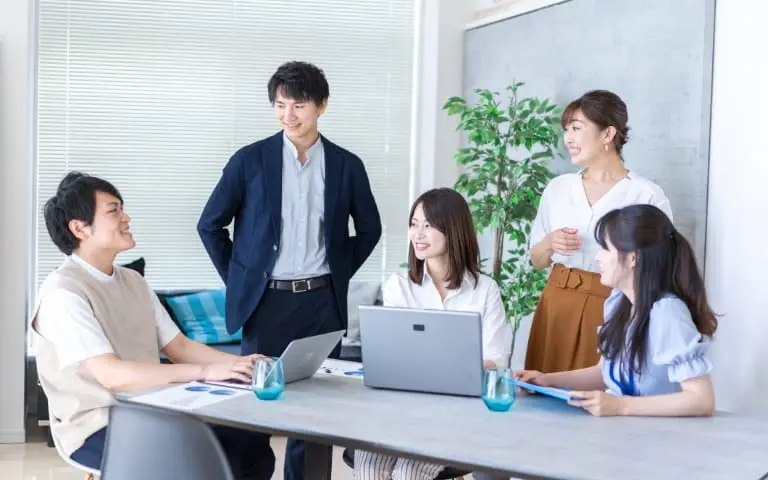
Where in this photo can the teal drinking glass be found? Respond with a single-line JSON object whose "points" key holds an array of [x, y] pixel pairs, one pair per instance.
{"points": [[268, 382], [498, 391]]}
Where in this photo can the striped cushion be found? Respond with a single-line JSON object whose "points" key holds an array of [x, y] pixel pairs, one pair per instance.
{"points": [[202, 317]]}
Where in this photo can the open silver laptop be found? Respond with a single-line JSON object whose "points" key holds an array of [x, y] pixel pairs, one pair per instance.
{"points": [[433, 351], [303, 357]]}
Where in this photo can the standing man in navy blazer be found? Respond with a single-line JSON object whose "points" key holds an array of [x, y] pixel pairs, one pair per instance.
{"points": [[288, 264]]}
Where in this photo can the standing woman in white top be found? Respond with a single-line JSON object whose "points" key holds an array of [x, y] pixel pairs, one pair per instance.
{"points": [[443, 273], [570, 309]]}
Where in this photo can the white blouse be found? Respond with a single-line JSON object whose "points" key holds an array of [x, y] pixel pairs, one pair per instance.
{"points": [[485, 298], [564, 204]]}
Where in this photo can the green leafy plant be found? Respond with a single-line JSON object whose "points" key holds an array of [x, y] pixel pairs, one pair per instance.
{"points": [[504, 177]]}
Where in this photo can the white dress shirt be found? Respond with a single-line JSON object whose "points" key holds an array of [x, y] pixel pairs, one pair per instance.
{"points": [[485, 298], [564, 204], [301, 253], [68, 321]]}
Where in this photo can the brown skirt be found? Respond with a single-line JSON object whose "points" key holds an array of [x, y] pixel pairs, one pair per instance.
{"points": [[564, 330]]}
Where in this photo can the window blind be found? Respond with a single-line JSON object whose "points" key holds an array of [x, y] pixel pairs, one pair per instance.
{"points": [[156, 95]]}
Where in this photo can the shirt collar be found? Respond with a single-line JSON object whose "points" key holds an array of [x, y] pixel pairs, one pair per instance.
{"points": [[95, 272], [465, 280], [315, 149]]}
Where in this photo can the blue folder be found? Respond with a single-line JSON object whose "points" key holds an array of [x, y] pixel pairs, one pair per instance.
{"points": [[561, 393]]}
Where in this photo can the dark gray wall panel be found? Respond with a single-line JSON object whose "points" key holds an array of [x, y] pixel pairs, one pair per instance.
{"points": [[656, 54]]}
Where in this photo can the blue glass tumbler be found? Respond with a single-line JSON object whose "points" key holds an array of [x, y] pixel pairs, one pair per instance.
{"points": [[268, 382], [498, 391]]}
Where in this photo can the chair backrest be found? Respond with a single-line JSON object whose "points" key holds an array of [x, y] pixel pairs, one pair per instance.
{"points": [[154, 444], [61, 453]]}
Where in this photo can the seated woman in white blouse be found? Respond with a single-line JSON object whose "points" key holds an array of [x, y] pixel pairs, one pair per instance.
{"points": [[443, 273], [658, 324]]}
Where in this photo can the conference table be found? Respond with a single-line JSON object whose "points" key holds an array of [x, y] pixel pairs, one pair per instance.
{"points": [[538, 438]]}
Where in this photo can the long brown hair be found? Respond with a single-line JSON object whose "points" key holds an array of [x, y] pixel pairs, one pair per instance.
{"points": [[447, 211], [665, 265]]}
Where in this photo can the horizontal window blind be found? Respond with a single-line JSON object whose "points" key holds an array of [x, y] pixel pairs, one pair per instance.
{"points": [[156, 95]]}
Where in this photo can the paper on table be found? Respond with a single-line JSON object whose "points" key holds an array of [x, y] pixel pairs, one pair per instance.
{"points": [[189, 396], [341, 368], [237, 385]]}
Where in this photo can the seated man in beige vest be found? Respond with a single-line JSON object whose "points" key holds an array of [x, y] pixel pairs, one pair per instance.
{"points": [[100, 329]]}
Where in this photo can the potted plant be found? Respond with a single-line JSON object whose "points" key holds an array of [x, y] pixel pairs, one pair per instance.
{"points": [[504, 176]]}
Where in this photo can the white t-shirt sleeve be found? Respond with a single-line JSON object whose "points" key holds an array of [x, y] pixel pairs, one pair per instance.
{"points": [[67, 320], [166, 329]]}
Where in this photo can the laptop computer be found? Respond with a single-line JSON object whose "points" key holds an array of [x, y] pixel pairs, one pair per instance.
{"points": [[431, 351], [303, 357]]}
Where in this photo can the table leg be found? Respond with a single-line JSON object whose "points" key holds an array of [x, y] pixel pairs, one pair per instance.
{"points": [[317, 461]]}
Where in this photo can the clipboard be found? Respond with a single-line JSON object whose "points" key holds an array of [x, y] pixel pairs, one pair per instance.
{"points": [[559, 393]]}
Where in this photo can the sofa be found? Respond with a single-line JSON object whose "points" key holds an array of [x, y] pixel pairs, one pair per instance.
{"points": [[360, 293]]}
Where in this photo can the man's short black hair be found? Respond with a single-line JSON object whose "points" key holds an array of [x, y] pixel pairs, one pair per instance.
{"points": [[299, 81], [75, 199]]}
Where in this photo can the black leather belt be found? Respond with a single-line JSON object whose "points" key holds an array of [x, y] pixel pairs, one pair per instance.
{"points": [[299, 286]]}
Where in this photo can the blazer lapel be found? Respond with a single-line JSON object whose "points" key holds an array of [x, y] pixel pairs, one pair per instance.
{"points": [[333, 168], [272, 164]]}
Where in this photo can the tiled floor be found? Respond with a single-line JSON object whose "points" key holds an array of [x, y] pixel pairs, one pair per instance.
{"points": [[35, 461]]}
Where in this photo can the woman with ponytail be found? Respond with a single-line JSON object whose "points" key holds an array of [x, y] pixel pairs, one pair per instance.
{"points": [[658, 324]]}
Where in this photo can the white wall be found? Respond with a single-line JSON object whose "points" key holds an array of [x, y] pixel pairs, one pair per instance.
{"points": [[737, 224], [439, 72], [15, 196]]}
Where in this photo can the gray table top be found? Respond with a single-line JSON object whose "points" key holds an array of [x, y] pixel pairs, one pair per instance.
{"points": [[538, 437]]}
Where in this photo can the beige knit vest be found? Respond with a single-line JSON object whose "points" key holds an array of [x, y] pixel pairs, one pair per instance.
{"points": [[77, 402]]}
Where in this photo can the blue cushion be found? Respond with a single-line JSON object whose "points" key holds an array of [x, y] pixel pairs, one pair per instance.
{"points": [[233, 348], [202, 317]]}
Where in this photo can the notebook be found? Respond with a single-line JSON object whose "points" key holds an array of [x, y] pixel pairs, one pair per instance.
{"points": [[561, 393]]}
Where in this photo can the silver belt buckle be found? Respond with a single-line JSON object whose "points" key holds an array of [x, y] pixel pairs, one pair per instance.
{"points": [[294, 284]]}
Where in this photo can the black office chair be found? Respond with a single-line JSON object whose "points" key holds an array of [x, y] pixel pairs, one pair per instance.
{"points": [[448, 472], [154, 444]]}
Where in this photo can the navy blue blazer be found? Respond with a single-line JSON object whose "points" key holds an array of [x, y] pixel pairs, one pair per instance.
{"points": [[250, 192]]}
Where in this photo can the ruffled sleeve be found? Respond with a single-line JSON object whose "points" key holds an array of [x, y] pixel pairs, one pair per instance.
{"points": [[674, 341]]}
